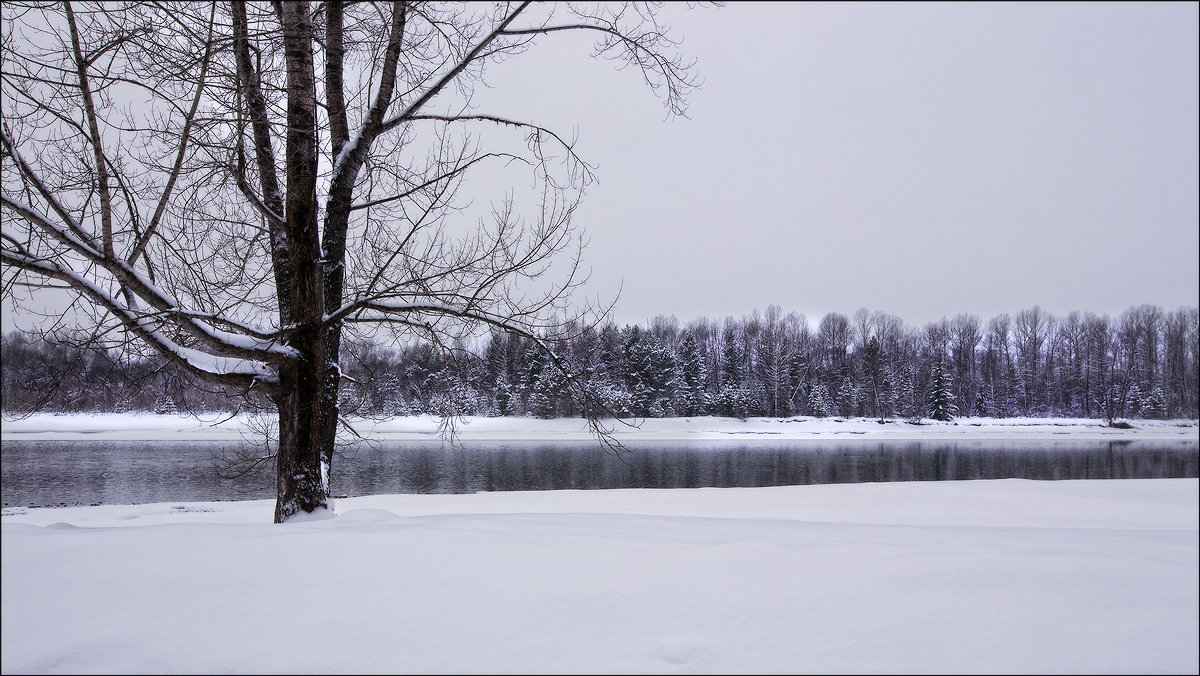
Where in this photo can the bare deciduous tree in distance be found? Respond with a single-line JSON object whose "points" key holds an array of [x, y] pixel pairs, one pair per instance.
{"points": [[240, 186]]}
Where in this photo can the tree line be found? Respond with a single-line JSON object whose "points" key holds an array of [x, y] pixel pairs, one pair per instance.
{"points": [[1143, 363]]}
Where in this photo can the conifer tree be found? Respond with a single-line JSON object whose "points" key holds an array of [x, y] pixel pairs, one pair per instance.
{"points": [[818, 401], [906, 394], [941, 400], [887, 395], [503, 395], [732, 358], [847, 396], [1154, 403], [693, 398], [543, 398], [981, 402]]}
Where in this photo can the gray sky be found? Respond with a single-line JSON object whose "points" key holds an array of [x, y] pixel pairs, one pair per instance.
{"points": [[924, 160]]}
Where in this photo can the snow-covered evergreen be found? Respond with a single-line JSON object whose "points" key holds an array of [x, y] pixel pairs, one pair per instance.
{"points": [[940, 402]]}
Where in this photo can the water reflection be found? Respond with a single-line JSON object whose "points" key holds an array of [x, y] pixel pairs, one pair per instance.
{"points": [[115, 472]]}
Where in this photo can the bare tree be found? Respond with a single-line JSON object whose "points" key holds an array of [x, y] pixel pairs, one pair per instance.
{"points": [[1180, 342], [240, 186], [1110, 369], [1032, 329], [965, 337]]}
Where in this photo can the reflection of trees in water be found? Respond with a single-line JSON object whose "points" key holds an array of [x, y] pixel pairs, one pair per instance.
{"points": [[423, 473], [577, 466], [113, 472]]}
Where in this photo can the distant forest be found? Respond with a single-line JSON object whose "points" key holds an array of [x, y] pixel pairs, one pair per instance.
{"points": [[1146, 363]]}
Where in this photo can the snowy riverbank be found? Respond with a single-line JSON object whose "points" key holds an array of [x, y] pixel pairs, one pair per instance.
{"points": [[150, 426], [1007, 576]]}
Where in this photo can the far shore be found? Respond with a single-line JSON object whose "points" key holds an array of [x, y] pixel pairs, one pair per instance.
{"points": [[149, 426]]}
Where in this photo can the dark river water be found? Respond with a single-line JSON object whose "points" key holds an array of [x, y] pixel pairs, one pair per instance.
{"points": [[45, 473]]}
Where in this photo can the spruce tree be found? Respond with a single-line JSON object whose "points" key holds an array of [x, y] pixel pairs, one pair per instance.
{"points": [[941, 399], [1154, 403], [543, 399], [847, 396], [650, 373], [503, 395], [887, 395], [692, 368], [733, 358], [981, 402], [906, 394], [818, 401]]}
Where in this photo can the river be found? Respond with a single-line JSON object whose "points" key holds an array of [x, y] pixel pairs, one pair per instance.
{"points": [[86, 472]]}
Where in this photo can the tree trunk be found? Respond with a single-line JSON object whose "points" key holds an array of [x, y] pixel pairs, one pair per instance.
{"points": [[305, 410], [302, 468]]}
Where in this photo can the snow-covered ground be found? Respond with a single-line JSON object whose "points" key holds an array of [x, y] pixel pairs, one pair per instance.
{"points": [[1007, 576], [149, 426]]}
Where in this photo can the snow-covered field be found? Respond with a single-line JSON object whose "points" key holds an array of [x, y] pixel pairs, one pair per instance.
{"points": [[1007, 576], [149, 426]]}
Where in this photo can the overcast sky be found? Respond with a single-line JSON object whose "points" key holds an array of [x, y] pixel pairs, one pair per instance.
{"points": [[924, 160]]}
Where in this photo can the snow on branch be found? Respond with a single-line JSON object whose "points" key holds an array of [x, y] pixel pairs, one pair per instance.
{"points": [[226, 343], [230, 370]]}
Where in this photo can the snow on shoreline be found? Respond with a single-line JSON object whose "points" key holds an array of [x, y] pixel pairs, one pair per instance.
{"points": [[218, 427], [985, 576]]}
